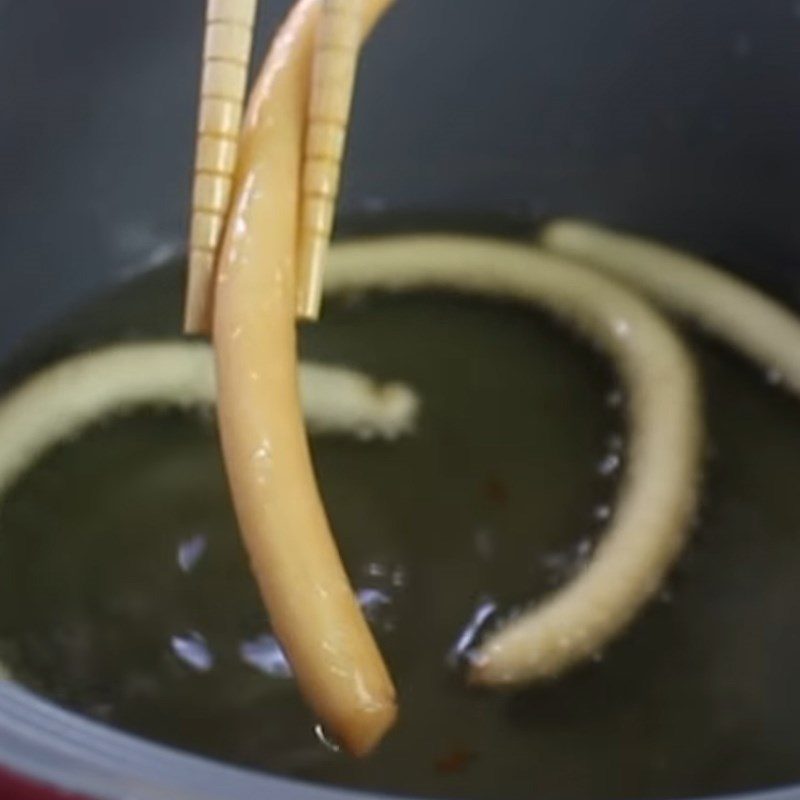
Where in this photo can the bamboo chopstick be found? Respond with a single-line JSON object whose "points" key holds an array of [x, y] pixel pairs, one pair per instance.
{"points": [[226, 59], [333, 73]]}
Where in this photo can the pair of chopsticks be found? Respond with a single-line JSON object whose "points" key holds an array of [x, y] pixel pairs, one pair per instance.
{"points": [[226, 61]]}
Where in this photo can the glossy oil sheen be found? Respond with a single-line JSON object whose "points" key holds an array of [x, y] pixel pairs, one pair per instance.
{"points": [[124, 592]]}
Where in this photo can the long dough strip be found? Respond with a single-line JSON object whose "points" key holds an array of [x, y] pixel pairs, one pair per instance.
{"points": [[295, 561], [658, 493], [63, 399]]}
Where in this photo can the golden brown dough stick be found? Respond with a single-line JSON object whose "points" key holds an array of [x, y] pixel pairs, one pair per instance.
{"points": [[226, 58], [294, 558], [333, 74]]}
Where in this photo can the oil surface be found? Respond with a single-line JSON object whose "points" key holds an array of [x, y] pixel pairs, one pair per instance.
{"points": [[124, 592]]}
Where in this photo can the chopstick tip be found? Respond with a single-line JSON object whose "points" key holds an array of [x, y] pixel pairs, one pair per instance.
{"points": [[311, 267], [199, 293]]}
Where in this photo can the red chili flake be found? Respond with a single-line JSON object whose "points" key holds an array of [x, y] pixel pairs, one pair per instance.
{"points": [[457, 760], [496, 491]]}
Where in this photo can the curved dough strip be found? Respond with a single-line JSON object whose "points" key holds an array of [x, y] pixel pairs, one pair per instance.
{"points": [[62, 400], [722, 304], [658, 492]]}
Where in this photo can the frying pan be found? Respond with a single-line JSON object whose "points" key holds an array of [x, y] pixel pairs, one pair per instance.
{"points": [[678, 119]]}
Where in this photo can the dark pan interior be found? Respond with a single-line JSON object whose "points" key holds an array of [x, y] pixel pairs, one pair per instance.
{"points": [[676, 119]]}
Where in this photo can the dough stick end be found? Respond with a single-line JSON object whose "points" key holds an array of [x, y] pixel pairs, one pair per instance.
{"points": [[363, 729], [511, 658], [564, 234], [485, 672]]}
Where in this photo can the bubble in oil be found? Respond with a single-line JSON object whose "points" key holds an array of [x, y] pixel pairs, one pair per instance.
{"points": [[609, 464], [265, 654], [375, 569], [190, 551], [583, 550], [615, 398], [561, 565], [377, 608], [193, 650], [485, 610], [602, 512], [325, 740]]}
